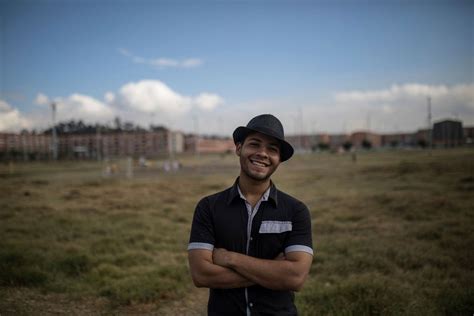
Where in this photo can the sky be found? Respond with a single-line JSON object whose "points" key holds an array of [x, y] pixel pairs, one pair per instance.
{"points": [[210, 66]]}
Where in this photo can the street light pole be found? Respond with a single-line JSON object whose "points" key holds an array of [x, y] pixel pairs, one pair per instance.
{"points": [[430, 127], [55, 137]]}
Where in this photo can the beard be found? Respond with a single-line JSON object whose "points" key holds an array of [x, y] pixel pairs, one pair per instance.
{"points": [[256, 176], [245, 167]]}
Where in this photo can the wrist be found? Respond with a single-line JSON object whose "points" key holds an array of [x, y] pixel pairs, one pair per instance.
{"points": [[230, 262]]}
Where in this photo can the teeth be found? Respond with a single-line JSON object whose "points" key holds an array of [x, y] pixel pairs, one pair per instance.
{"points": [[258, 164]]}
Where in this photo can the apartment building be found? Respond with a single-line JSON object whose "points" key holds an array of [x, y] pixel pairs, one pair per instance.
{"points": [[25, 145], [161, 142], [207, 145], [448, 133], [398, 140], [362, 139], [90, 146]]}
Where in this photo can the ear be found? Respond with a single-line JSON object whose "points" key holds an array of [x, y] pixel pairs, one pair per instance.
{"points": [[238, 149]]}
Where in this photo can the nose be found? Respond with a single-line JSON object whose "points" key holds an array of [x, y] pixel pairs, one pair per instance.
{"points": [[262, 152]]}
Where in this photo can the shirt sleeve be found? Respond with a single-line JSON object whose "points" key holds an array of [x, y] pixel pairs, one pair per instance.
{"points": [[300, 238], [202, 229]]}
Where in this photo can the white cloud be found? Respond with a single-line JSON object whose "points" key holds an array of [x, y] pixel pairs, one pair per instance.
{"points": [[4, 107], [124, 52], [74, 107], [208, 101], [162, 62], [191, 62], [142, 102], [154, 96], [79, 106], [109, 97], [395, 92], [11, 119], [396, 108], [42, 99], [139, 60]]}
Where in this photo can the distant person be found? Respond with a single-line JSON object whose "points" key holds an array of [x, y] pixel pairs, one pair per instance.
{"points": [[251, 244], [167, 166]]}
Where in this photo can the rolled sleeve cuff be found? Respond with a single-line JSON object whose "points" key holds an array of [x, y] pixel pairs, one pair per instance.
{"points": [[200, 245], [299, 248]]}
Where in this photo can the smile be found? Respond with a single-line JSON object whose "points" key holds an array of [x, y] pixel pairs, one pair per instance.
{"points": [[259, 163]]}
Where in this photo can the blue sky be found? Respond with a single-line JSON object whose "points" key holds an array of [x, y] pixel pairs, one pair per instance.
{"points": [[333, 65]]}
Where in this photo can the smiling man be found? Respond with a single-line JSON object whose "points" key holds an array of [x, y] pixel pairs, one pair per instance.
{"points": [[251, 244]]}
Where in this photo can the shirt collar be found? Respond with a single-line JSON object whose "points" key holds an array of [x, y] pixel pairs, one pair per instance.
{"points": [[270, 193]]}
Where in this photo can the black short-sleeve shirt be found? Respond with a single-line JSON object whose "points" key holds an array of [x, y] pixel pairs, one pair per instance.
{"points": [[281, 224]]}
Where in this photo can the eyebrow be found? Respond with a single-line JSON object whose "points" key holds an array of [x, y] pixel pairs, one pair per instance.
{"points": [[276, 144]]}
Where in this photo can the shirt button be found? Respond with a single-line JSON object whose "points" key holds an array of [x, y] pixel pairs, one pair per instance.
{"points": [[251, 238], [251, 304]]}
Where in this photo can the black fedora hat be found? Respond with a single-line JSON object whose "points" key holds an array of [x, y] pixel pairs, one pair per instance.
{"points": [[269, 125]]}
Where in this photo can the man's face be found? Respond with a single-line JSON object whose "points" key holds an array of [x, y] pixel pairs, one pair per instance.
{"points": [[259, 156]]}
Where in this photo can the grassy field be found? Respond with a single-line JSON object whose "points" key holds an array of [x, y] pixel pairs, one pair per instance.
{"points": [[393, 234]]}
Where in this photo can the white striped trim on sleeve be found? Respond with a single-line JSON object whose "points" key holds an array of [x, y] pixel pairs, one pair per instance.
{"points": [[299, 248], [200, 245]]}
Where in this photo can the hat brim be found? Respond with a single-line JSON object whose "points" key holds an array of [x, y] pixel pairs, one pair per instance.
{"points": [[241, 132]]}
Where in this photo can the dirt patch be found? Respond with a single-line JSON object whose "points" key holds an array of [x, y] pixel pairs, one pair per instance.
{"points": [[23, 301]]}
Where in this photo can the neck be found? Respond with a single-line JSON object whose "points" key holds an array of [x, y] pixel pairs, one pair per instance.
{"points": [[252, 187]]}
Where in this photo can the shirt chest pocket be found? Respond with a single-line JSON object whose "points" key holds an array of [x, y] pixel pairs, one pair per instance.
{"points": [[272, 236], [275, 227]]}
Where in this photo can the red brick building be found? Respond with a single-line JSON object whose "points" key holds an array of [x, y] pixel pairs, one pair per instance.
{"points": [[207, 145], [87, 146]]}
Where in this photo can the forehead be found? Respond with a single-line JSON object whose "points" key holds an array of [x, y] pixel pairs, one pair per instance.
{"points": [[263, 138]]}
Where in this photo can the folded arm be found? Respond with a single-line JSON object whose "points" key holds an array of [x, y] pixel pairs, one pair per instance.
{"points": [[288, 274], [207, 274]]}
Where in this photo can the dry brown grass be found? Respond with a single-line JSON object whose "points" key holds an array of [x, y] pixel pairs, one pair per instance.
{"points": [[392, 234]]}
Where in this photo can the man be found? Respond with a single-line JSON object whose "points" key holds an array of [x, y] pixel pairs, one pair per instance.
{"points": [[251, 244]]}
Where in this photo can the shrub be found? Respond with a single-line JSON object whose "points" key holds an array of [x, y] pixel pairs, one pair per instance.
{"points": [[74, 264], [18, 268], [366, 144], [347, 145]]}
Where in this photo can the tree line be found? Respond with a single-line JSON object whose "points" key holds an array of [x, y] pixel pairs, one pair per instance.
{"points": [[79, 127]]}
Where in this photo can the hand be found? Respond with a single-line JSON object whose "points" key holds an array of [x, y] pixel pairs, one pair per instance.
{"points": [[281, 256], [221, 256]]}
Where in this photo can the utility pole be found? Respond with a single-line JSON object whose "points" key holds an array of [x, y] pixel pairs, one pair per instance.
{"points": [[297, 136], [196, 131], [98, 142], [54, 144], [301, 129], [23, 144], [171, 145], [430, 128]]}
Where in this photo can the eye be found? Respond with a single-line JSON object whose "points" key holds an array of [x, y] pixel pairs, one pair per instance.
{"points": [[274, 149]]}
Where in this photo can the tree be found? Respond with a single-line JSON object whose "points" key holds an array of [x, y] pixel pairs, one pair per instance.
{"points": [[366, 144], [422, 143], [323, 146], [118, 123], [347, 145]]}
